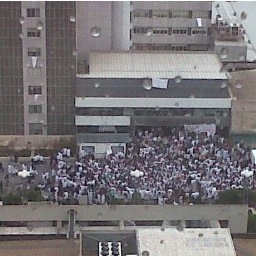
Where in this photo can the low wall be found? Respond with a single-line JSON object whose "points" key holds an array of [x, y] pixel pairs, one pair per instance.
{"points": [[236, 215], [35, 141]]}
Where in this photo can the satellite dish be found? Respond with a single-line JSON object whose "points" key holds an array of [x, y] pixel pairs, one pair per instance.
{"points": [[238, 86], [243, 15], [177, 79], [72, 66], [95, 31], [149, 32], [74, 53], [21, 35], [223, 85], [145, 253], [39, 25], [147, 84], [96, 85], [224, 53], [242, 57], [21, 20], [72, 18]]}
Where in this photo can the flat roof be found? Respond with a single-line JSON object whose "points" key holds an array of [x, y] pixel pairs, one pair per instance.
{"points": [[188, 241], [131, 64]]}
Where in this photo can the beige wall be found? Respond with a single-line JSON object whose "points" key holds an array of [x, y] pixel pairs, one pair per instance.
{"points": [[36, 140], [236, 214], [243, 116]]}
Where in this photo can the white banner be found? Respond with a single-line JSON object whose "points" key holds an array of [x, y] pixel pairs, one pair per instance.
{"points": [[34, 61], [210, 129], [159, 83]]}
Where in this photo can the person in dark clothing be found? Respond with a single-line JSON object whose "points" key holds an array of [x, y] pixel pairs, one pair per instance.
{"points": [[1, 167]]}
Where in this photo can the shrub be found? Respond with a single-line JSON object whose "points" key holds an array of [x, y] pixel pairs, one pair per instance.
{"points": [[251, 225], [12, 199], [34, 195]]}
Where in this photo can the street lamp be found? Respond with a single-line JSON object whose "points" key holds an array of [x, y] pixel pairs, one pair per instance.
{"points": [[24, 175], [246, 174]]}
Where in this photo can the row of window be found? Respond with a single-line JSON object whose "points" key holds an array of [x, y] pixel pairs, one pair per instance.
{"points": [[33, 32], [35, 109], [152, 111], [172, 14], [171, 31], [33, 12]]}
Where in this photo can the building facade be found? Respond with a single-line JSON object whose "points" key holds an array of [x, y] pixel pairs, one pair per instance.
{"points": [[38, 68], [122, 92], [171, 26]]}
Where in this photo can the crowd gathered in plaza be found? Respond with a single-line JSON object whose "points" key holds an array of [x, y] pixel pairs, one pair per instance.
{"points": [[176, 168]]}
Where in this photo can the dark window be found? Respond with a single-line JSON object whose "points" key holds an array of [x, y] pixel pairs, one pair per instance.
{"points": [[33, 32], [35, 109], [35, 129], [32, 90], [34, 52], [33, 12]]}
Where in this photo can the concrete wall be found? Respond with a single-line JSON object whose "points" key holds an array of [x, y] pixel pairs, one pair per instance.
{"points": [[89, 15], [36, 140], [235, 214], [243, 116]]}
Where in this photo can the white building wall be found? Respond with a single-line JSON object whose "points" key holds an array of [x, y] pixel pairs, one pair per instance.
{"points": [[103, 120], [121, 25], [152, 102]]}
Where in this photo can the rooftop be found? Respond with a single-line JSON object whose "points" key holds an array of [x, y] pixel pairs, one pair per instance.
{"points": [[189, 242], [187, 65]]}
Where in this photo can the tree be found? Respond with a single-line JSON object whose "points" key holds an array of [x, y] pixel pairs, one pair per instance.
{"points": [[12, 199], [34, 195], [236, 197]]}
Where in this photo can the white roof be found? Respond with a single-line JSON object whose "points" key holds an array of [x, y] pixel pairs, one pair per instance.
{"points": [[189, 242], [188, 65]]}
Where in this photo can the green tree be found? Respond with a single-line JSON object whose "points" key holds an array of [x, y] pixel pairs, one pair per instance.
{"points": [[236, 197], [136, 197], [251, 225], [12, 199], [34, 195]]}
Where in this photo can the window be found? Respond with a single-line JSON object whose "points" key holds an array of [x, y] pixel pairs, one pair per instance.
{"points": [[33, 12], [160, 31], [139, 30], [88, 150], [160, 13], [32, 90], [199, 32], [141, 14], [35, 109], [35, 129], [179, 48], [179, 31], [33, 32], [180, 14], [34, 52]]}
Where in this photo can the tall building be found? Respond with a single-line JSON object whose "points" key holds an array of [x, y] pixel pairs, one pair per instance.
{"points": [[43, 45], [171, 26], [38, 67], [141, 25]]}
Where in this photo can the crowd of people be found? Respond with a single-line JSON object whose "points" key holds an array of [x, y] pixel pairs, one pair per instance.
{"points": [[175, 168]]}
